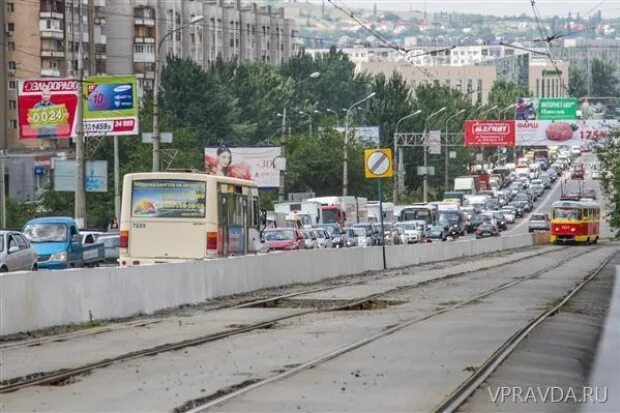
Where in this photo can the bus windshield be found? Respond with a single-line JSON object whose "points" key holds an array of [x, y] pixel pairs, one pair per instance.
{"points": [[450, 218], [569, 214], [329, 216], [168, 198]]}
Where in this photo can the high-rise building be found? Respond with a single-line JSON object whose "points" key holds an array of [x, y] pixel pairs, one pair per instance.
{"points": [[141, 30]]}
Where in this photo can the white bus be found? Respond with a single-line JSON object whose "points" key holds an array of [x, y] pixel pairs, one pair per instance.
{"points": [[180, 216]]}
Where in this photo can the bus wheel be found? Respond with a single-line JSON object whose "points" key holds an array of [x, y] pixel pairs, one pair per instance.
{"points": [[588, 241], [595, 240]]}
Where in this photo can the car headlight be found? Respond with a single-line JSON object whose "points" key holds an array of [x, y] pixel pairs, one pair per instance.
{"points": [[60, 256]]}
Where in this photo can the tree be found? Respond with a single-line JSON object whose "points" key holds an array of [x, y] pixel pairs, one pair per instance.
{"points": [[609, 157], [604, 78], [576, 83], [504, 94]]}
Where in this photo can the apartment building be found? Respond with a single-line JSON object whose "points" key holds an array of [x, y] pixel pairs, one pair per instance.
{"points": [[141, 30], [427, 56]]}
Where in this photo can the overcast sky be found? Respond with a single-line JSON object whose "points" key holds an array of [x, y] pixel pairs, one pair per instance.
{"points": [[610, 8]]}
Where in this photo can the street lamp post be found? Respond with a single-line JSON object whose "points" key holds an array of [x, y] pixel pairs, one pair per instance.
{"points": [[345, 155], [483, 115], [313, 75], [301, 112], [425, 182], [156, 118], [446, 173], [502, 116], [336, 114], [398, 157]]}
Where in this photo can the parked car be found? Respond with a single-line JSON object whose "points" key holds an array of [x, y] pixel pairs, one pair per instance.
{"points": [[539, 222], [487, 229], [371, 231], [351, 237], [284, 239], [475, 221], [502, 222], [16, 253]]}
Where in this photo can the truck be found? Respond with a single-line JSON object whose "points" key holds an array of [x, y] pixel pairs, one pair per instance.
{"points": [[313, 209], [342, 210], [373, 212], [58, 244], [467, 185]]}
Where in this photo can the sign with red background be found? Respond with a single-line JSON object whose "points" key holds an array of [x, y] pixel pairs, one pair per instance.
{"points": [[489, 133]]}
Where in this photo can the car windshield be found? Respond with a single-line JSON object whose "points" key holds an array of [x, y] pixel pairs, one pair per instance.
{"points": [[46, 232], [538, 217], [279, 235], [331, 230], [410, 226], [570, 214]]}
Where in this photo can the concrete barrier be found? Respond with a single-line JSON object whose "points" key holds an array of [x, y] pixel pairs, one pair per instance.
{"points": [[34, 300]]}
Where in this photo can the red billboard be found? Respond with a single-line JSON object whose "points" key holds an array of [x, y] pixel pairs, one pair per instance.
{"points": [[489, 133], [47, 108]]}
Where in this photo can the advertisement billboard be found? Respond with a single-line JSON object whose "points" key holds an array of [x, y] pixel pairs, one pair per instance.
{"points": [[168, 198], [47, 108], [95, 176], [251, 163], [110, 105], [489, 133], [365, 135], [546, 109], [553, 133]]}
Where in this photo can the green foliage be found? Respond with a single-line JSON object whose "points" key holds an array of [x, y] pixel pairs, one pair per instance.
{"points": [[576, 83], [604, 78], [504, 94], [609, 158]]}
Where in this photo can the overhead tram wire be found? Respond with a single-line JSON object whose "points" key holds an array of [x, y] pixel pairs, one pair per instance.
{"points": [[385, 41], [548, 47]]}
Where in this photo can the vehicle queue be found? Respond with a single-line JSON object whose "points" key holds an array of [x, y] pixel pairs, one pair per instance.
{"points": [[156, 206]]}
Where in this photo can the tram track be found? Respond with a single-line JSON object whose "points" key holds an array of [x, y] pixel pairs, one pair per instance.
{"points": [[466, 389], [203, 404], [57, 376]]}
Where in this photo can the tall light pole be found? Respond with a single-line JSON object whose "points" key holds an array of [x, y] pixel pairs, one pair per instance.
{"points": [[425, 183], [301, 112], [398, 157], [345, 155], [502, 116], [483, 115], [313, 75], [446, 171], [156, 119], [336, 114]]}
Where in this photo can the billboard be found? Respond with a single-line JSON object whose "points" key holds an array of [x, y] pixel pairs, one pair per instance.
{"points": [[168, 198], [553, 133], [47, 108], [546, 109], [110, 106], [365, 135], [489, 133], [251, 163], [95, 176]]}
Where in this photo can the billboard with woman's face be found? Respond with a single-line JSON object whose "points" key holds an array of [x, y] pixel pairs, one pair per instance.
{"points": [[252, 163]]}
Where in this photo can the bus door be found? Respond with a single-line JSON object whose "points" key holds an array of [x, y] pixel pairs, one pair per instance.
{"points": [[232, 220]]}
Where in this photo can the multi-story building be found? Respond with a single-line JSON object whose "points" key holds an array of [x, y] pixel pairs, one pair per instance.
{"points": [[427, 56], [581, 52], [141, 30]]}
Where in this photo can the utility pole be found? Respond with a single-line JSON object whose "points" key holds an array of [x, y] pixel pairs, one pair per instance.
{"points": [[92, 59], [283, 155], [345, 155], [4, 114], [80, 193]]}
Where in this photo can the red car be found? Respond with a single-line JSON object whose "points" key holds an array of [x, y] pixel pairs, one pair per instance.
{"points": [[284, 239]]}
